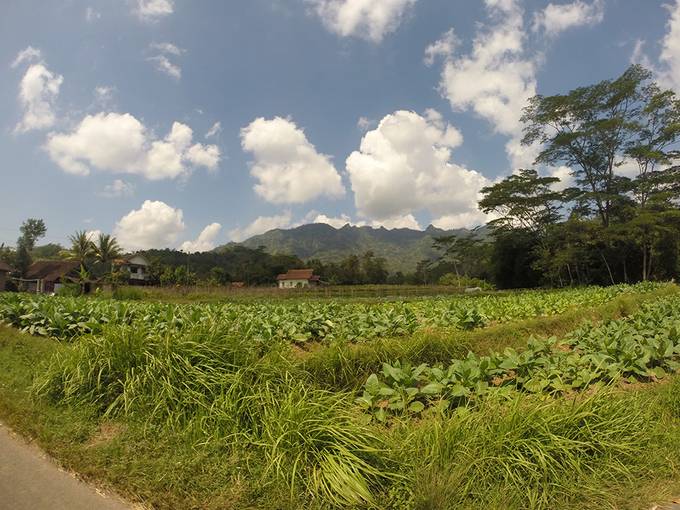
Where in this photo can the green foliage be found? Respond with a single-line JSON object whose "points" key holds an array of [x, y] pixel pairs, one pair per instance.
{"points": [[222, 388], [516, 452], [31, 230], [464, 281], [523, 200], [238, 402], [127, 293], [298, 322], [69, 289], [236, 263], [645, 346], [48, 251], [402, 249], [82, 248]]}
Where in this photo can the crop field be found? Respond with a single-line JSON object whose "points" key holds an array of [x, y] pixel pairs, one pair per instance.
{"points": [[67, 318], [537, 399]]}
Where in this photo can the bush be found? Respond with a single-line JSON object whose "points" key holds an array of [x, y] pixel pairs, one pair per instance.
{"points": [[464, 281]]}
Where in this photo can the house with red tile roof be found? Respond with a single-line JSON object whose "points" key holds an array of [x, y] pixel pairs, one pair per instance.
{"points": [[296, 278]]}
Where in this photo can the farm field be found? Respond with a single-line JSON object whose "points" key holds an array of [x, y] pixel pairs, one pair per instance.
{"points": [[537, 399]]}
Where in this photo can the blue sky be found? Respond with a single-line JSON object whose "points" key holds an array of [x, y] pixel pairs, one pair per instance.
{"points": [[188, 124]]}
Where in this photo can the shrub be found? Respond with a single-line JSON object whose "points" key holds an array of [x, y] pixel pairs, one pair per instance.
{"points": [[464, 281]]}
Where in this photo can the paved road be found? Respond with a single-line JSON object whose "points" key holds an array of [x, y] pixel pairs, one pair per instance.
{"points": [[31, 481]]}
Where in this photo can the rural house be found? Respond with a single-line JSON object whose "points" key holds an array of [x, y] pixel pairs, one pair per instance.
{"points": [[4, 272], [297, 278], [138, 267], [46, 276]]}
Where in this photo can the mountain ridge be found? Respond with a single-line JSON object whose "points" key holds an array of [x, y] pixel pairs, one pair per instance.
{"points": [[402, 248]]}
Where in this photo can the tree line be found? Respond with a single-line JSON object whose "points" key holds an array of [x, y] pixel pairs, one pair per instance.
{"points": [[601, 226]]}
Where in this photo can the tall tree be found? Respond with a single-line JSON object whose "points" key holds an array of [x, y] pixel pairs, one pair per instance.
{"points": [[82, 248], [591, 130], [467, 253], [523, 201], [658, 129], [106, 249], [31, 230]]}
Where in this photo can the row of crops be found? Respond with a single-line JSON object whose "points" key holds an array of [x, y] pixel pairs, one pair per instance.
{"points": [[68, 318], [642, 347]]}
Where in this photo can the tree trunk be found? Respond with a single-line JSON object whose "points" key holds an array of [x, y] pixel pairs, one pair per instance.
{"points": [[608, 268]]}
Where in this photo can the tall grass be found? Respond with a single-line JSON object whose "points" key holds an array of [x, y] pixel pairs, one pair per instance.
{"points": [[219, 388], [527, 453]]}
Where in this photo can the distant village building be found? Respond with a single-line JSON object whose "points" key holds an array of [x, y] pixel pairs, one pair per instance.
{"points": [[4, 272], [295, 278], [47, 276], [138, 268]]}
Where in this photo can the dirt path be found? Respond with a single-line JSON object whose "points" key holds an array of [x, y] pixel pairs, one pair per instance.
{"points": [[30, 480]]}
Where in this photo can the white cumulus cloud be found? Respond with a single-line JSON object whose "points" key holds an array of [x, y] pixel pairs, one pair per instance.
{"points": [[205, 240], [261, 225], [215, 130], [154, 225], [287, 166], [164, 65], [28, 54], [153, 10], [367, 19], [118, 189], [497, 77], [404, 221], [333, 221], [103, 95], [556, 18], [38, 92], [669, 74], [162, 59], [120, 143], [93, 235], [442, 47], [404, 166], [168, 48], [364, 123], [92, 14]]}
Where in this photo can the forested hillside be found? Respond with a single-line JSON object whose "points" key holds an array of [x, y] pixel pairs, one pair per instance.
{"points": [[401, 248]]}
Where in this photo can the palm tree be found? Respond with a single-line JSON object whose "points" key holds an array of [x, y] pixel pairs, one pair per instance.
{"points": [[106, 250], [81, 247]]}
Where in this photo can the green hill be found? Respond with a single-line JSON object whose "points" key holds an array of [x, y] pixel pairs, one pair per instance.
{"points": [[403, 248]]}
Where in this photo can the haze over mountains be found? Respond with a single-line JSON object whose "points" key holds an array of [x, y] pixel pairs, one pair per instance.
{"points": [[403, 248]]}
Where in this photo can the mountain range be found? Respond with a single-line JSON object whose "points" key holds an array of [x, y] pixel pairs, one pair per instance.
{"points": [[402, 248]]}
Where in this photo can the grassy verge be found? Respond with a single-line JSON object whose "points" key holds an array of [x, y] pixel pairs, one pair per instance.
{"points": [[345, 366], [159, 467]]}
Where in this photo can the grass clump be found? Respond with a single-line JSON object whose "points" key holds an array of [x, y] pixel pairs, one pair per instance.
{"points": [[528, 453], [219, 389], [127, 293]]}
